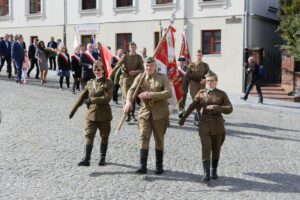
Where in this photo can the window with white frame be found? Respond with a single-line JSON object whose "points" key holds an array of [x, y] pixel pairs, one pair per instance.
{"points": [[204, 3], [124, 3], [211, 42], [5, 10], [34, 9], [124, 6], [89, 7], [4, 7], [34, 6], [164, 1], [163, 4], [88, 4]]}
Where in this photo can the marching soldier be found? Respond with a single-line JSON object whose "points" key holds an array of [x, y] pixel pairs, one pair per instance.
{"points": [[211, 130], [131, 65], [97, 95], [154, 113], [195, 78]]}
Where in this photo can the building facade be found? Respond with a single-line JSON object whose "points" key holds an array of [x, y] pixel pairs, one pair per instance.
{"points": [[221, 28]]}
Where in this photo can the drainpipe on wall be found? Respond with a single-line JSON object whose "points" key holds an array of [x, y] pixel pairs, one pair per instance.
{"points": [[65, 22], [246, 37]]}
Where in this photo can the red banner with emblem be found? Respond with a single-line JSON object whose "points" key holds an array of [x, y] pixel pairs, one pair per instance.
{"points": [[184, 50], [106, 59], [166, 62]]}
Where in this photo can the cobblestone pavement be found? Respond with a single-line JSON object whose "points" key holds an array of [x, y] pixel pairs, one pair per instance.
{"points": [[40, 148]]}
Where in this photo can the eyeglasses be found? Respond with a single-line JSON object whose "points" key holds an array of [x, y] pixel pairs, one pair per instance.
{"points": [[210, 80], [98, 70]]}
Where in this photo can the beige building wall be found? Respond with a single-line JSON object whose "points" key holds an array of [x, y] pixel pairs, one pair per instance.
{"points": [[228, 64]]}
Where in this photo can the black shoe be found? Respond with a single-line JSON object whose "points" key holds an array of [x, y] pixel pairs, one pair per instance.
{"points": [[143, 161], [84, 163], [37, 77], [261, 102], [181, 113], [103, 150], [133, 117], [86, 160], [243, 98], [214, 174], [159, 161], [206, 167], [128, 117], [28, 76]]}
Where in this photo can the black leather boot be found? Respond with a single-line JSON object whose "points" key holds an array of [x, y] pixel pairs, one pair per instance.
{"points": [[133, 117], [206, 167], [143, 161], [128, 117], [86, 160], [214, 165], [159, 161], [103, 149]]}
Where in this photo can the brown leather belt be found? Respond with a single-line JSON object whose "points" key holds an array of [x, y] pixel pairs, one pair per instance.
{"points": [[151, 103]]}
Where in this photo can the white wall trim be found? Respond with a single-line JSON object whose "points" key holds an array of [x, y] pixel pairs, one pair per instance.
{"points": [[8, 17], [40, 15], [132, 9], [202, 4], [89, 12], [155, 6]]}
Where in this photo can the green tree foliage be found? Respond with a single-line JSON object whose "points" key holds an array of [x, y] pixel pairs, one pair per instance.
{"points": [[290, 26]]}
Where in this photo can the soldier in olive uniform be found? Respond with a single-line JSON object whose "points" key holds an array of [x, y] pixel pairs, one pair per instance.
{"points": [[211, 130], [195, 78], [131, 65], [154, 113], [97, 95]]}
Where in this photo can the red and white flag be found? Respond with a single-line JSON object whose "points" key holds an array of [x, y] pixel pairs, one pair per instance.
{"points": [[106, 59], [166, 62], [184, 50]]}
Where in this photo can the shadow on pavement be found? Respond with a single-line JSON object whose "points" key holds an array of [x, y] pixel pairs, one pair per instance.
{"points": [[258, 126], [282, 183], [244, 135]]}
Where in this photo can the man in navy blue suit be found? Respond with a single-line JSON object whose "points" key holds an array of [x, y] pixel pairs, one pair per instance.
{"points": [[52, 44], [18, 56], [5, 54]]}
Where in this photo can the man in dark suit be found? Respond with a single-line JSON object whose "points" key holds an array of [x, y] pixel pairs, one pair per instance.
{"points": [[254, 79], [98, 51], [33, 60], [18, 56], [5, 54], [52, 44], [87, 60]]}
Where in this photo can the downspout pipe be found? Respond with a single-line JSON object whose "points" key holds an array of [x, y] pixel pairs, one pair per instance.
{"points": [[65, 22], [246, 43]]}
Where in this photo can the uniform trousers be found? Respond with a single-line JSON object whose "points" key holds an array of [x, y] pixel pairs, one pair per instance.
{"points": [[211, 144], [158, 127], [91, 129]]}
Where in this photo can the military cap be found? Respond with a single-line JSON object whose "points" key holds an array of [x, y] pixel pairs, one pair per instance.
{"points": [[212, 74], [181, 59], [149, 60]]}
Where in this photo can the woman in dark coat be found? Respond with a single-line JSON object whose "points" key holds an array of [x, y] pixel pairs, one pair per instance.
{"points": [[64, 67], [76, 69]]}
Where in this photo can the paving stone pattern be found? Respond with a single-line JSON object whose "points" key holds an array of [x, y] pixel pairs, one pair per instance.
{"points": [[40, 148]]}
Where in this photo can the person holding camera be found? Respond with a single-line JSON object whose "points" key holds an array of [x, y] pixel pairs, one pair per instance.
{"points": [[96, 95]]}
